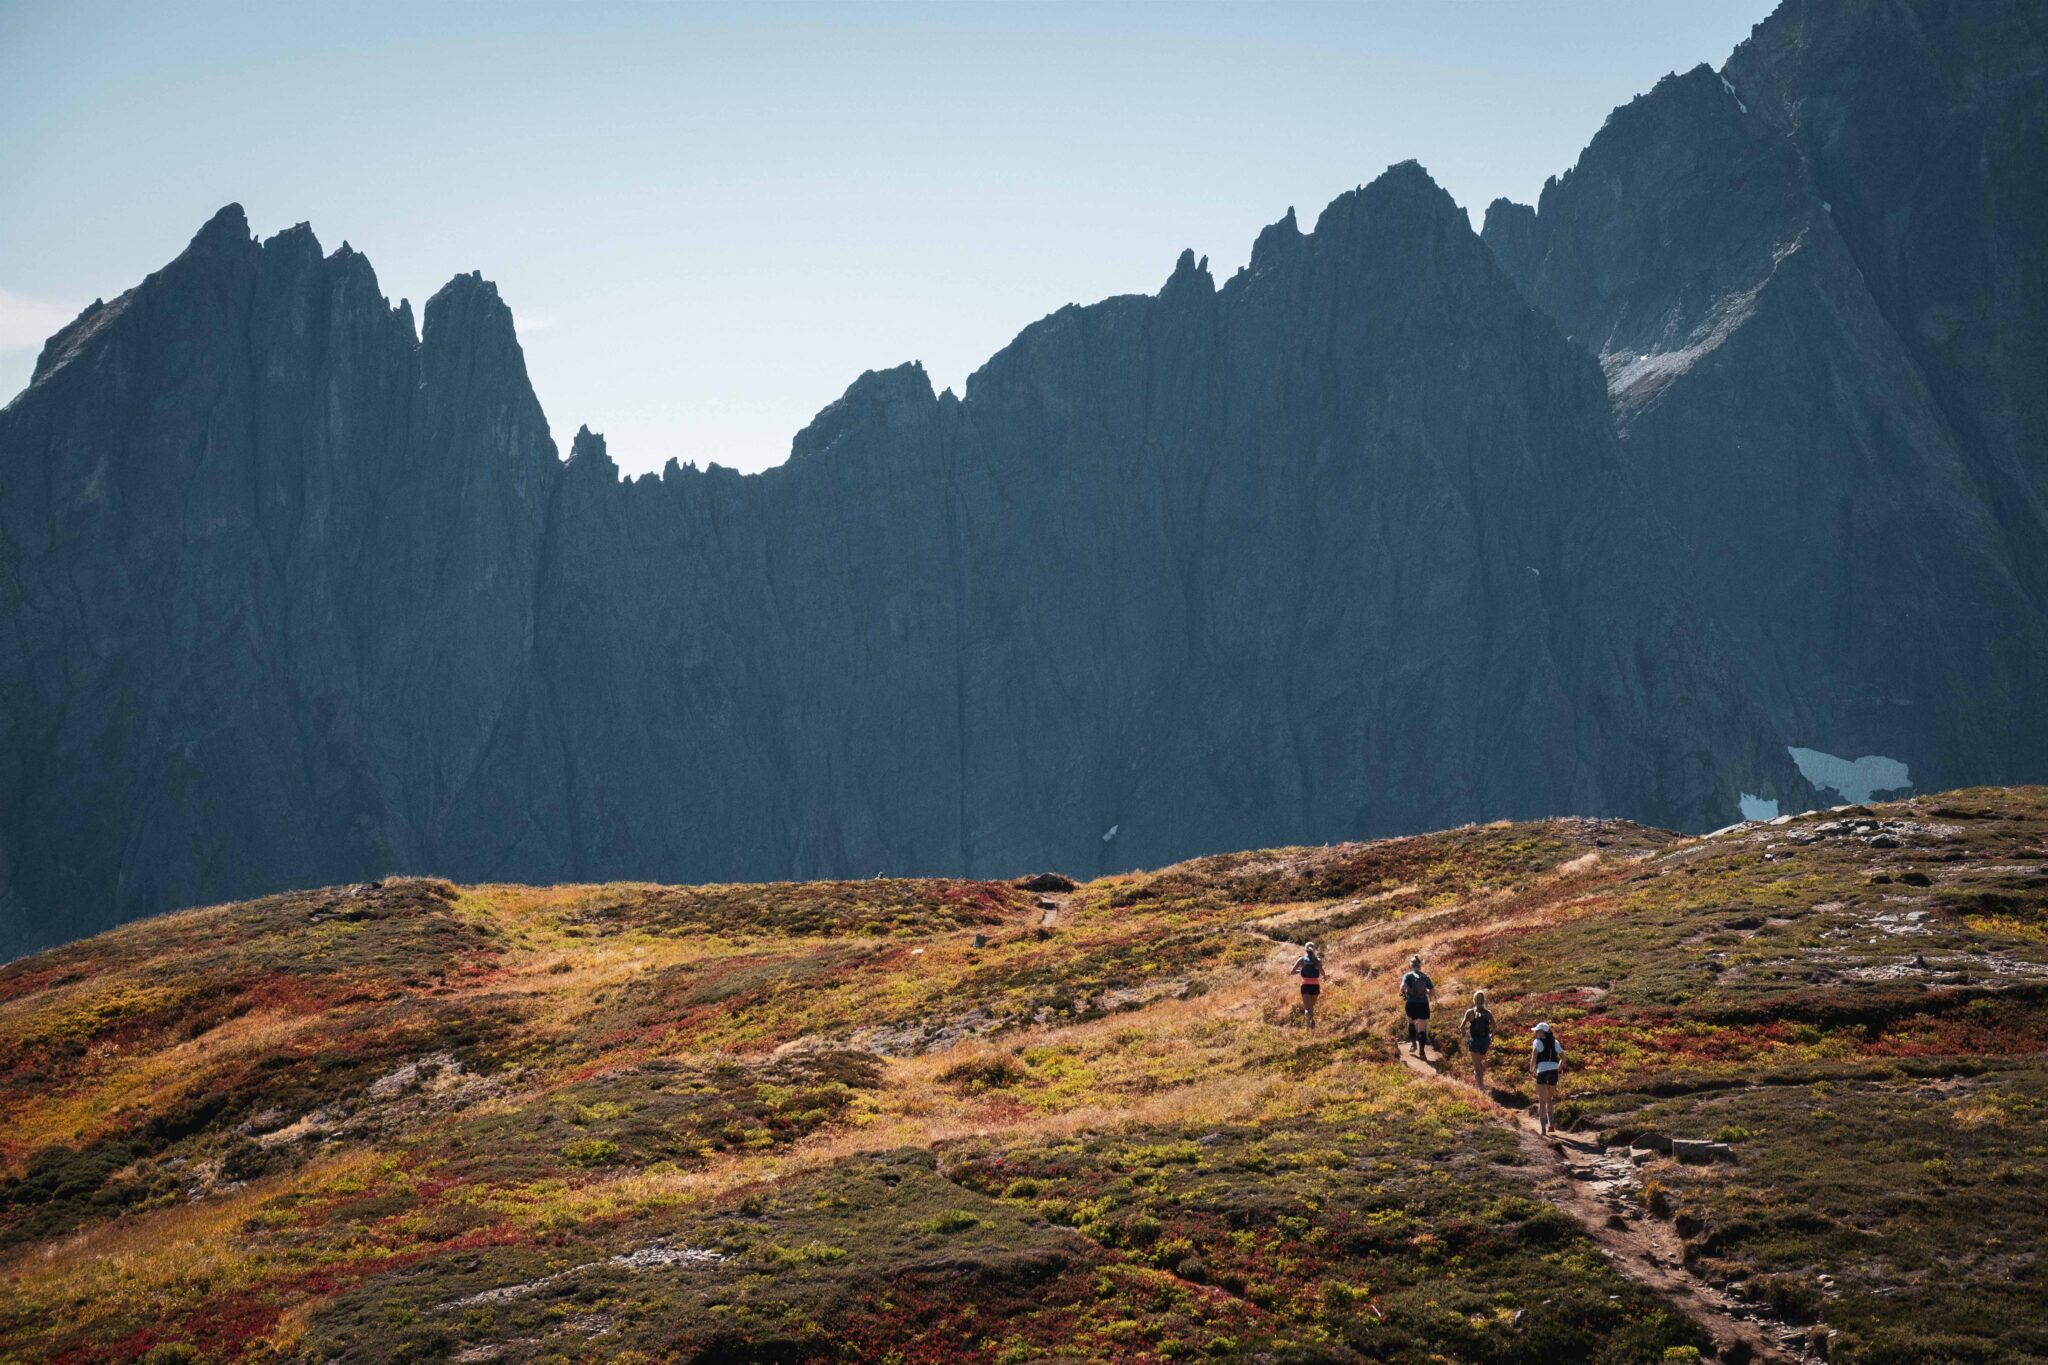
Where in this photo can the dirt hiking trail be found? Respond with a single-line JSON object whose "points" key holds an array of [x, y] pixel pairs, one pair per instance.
{"points": [[1602, 1192]]}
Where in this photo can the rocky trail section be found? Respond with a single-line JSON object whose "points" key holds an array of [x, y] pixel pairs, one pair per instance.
{"points": [[1603, 1192]]}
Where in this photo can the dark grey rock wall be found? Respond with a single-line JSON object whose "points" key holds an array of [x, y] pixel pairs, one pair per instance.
{"points": [[1815, 281], [1733, 442]]}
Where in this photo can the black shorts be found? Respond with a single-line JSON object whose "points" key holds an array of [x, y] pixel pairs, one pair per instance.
{"points": [[1546, 1077], [1418, 1009], [1311, 988], [1477, 1048]]}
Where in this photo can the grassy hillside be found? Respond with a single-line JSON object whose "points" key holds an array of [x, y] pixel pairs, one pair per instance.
{"points": [[412, 1121]]}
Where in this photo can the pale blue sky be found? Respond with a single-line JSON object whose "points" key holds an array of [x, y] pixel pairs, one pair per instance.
{"points": [[710, 218]]}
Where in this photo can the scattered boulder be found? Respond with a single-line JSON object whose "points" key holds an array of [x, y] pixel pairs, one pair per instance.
{"points": [[1698, 1152], [1047, 881], [269, 1121], [415, 1075]]}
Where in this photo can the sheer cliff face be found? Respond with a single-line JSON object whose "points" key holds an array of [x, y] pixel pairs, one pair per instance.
{"points": [[258, 549], [1815, 281], [1330, 549], [1359, 542], [1341, 547]]}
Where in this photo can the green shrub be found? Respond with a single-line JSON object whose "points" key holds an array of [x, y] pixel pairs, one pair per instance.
{"points": [[173, 1353], [591, 1152], [1169, 1254], [810, 1253]]}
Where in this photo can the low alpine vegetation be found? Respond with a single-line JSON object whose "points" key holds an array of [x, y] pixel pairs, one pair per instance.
{"points": [[923, 1121]]}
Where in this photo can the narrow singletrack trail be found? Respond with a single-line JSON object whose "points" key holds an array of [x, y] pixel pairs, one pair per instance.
{"points": [[1601, 1192]]}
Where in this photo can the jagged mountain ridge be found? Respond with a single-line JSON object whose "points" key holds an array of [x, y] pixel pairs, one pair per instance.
{"points": [[1194, 567], [1817, 281], [1357, 543]]}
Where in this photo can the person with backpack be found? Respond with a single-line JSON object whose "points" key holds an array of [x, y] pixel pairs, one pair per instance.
{"points": [[1546, 1060], [1416, 991], [1478, 1029], [1310, 969]]}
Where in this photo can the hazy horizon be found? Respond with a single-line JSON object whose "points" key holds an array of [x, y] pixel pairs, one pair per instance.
{"points": [[708, 219]]}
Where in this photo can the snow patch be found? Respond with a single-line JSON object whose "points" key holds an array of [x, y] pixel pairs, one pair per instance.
{"points": [[1757, 807], [1634, 378], [1733, 96], [1856, 779]]}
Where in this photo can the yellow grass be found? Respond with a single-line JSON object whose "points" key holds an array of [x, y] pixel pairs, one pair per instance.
{"points": [[147, 1081], [165, 1254]]}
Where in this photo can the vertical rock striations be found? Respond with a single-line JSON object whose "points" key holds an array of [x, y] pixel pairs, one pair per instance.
{"points": [[1815, 281], [1732, 443], [270, 569]]}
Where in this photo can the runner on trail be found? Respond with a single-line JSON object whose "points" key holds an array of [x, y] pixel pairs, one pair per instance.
{"points": [[1416, 991], [1478, 1029], [1310, 969], [1546, 1060]]}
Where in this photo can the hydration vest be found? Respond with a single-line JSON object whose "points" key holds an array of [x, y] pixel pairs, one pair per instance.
{"points": [[1482, 1028]]}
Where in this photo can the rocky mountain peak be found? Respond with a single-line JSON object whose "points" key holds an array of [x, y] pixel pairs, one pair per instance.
{"points": [[1401, 210], [588, 447], [879, 398], [295, 243], [1510, 230], [1405, 185], [228, 228], [468, 335], [1275, 242], [1189, 274], [1359, 544], [469, 299]]}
